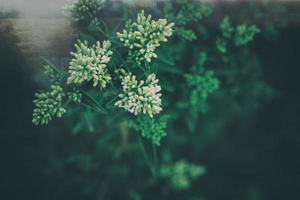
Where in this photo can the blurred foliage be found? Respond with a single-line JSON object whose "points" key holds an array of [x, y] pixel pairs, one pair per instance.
{"points": [[241, 34], [83, 9], [181, 173], [209, 75]]}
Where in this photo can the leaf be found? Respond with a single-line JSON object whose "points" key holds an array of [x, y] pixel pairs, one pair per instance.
{"points": [[163, 55], [221, 45], [167, 68], [186, 34]]}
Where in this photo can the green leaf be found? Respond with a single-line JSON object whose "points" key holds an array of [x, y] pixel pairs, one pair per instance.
{"points": [[150, 128], [221, 45], [186, 34], [226, 28], [164, 55], [167, 68]]}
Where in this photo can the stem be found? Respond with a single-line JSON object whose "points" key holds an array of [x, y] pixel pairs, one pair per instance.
{"points": [[100, 108], [154, 151], [116, 42], [51, 65], [146, 156], [144, 71], [147, 68], [90, 125], [105, 27], [106, 138], [103, 33], [91, 107], [117, 52], [115, 90], [119, 24], [111, 101], [67, 102]]}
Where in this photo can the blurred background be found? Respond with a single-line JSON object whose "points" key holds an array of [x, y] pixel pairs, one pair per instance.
{"points": [[255, 158]]}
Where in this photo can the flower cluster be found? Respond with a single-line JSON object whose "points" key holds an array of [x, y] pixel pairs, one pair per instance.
{"points": [[83, 9], [50, 72], [181, 173], [144, 35], [90, 64], [140, 96], [48, 105], [75, 96]]}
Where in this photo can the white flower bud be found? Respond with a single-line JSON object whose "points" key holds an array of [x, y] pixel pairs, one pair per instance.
{"points": [[140, 97], [90, 64]]}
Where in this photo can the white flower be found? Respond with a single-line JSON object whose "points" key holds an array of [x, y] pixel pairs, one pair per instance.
{"points": [[140, 96], [90, 64], [48, 105], [83, 9], [144, 36]]}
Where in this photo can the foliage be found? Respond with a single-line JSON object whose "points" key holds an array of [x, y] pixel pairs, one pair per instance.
{"points": [[244, 34], [185, 16], [181, 173], [186, 33], [203, 83], [151, 128], [241, 34], [176, 74], [90, 63]]}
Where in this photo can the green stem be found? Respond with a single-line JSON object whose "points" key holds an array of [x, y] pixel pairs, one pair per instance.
{"points": [[107, 36], [115, 90], [117, 52], [67, 102], [51, 65], [147, 68], [91, 107], [154, 151], [100, 108], [111, 101], [146, 157], [105, 27], [103, 140], [119, 24], [116, 42]]}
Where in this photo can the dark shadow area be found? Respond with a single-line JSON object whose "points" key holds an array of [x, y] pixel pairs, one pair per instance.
{"points": [[259, 158]]}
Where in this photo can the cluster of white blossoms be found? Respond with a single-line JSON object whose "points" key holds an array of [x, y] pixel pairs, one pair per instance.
{"points": [[139, 96], [83, 9], [48, 105], [144, 35], [90, 64]]}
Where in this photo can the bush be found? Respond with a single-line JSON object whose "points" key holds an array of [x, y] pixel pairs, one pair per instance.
{"points": [[159, 83]]}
